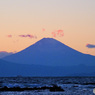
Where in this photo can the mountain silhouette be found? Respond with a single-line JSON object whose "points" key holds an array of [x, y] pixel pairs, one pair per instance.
{"points": [[8, 69], [48, 57], [50, 52]]}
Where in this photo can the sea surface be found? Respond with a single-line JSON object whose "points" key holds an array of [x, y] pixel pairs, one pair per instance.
{"points": [[71, 85]]}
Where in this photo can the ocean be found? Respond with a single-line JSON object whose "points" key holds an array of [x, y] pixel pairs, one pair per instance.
{"points": [[70, 85]]}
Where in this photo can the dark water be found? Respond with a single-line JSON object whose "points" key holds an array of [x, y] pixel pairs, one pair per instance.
{"points": [[71, 85]]}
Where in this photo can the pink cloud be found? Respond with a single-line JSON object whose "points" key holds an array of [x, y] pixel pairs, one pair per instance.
{"points": [[10, 36], [28, 35], [22, 35], [43, 30], [59, 33]]}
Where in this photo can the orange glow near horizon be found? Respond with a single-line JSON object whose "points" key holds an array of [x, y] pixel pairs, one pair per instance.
{"points": [[73, 20]]}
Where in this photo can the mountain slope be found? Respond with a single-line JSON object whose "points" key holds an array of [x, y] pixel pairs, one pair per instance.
{"points": [[51, 52]]}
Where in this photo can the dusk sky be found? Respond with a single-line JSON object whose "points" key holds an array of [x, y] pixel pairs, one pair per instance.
{"points": [[24, 22]]}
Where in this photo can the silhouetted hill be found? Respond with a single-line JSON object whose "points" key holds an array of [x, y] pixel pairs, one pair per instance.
{"points": [[8, 69]]}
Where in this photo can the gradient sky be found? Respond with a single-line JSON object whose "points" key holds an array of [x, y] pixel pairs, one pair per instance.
{"points": [[41, 18]]}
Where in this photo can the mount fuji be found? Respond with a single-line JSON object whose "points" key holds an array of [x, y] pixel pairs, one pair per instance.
{"points": [[50, 52]]}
